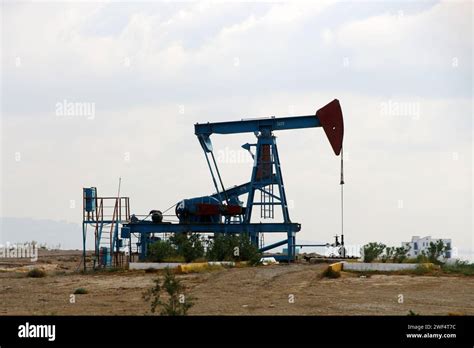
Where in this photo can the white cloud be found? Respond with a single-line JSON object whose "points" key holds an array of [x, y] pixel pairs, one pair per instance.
{"points": [[430, 38]]}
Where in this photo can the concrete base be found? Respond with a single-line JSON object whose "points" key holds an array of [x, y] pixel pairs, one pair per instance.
{"points": [[326, 260], [384, 267], [221, 263]]}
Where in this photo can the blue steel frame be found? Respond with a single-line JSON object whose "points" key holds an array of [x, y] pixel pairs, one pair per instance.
{"points": [[267, 138], [263, 129], [145, 228]]}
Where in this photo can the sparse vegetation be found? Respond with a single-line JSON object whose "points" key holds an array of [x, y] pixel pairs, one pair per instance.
{"points": [[435, 251], [221, 248], [372, 251], [421, 270], [190, 247], [422, 258], [181, 247], [411, 313], [330, 273], [205, 269], [433, 254], [460, 267], [178, 303], [400, 254], [80, 291], [368, 290], [160, 250], [36, 273], [233, 248], [388, 254]]}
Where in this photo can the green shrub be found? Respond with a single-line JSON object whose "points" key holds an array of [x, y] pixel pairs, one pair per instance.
{"points": [[372, 251], [462, 267], [388, 254], [221, 248], [190, 247], [421, 270], [248, 251], [81, 291], [178, 303], [400, 254], [160, 250], [436, 250], [36, 273], [422, 258], [231, 247], [330, 273]]}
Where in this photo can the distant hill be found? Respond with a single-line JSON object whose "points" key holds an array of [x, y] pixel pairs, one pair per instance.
{"points": [[53, 233]]}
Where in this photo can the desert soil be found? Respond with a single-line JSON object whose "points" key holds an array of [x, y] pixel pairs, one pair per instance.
{"points": [[295, 289]]}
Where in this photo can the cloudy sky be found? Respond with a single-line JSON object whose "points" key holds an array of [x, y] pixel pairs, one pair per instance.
{"points": [[148, 71]]}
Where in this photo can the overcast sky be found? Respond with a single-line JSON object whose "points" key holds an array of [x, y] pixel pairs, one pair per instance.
{"points": [[401, 70]]}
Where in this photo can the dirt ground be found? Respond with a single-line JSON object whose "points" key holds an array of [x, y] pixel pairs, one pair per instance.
{"points": [[295, 289]]}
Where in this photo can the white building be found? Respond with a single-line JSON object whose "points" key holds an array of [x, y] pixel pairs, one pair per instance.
{"points": [[417, 245]]}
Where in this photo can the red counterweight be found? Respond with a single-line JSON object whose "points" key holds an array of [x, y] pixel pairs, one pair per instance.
{"points": [[330, 117]]}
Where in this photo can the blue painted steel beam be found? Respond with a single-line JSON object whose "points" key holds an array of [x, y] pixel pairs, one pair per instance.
{"points": [[150, 227], [282, 257], [270, 194], [236, 190], [250, 126], [239, 190], [274, 245]]}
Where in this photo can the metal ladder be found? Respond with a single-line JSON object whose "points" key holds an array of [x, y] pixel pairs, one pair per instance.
{"points": [[267, 207]]}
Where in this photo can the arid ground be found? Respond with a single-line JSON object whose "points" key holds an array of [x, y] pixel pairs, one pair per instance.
{"points": [[296, 289]]}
